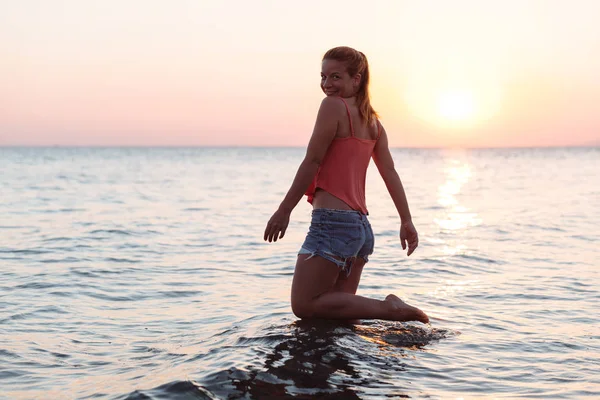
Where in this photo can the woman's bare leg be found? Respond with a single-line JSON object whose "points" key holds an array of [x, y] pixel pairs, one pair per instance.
{"points": [[313, 296], [349, 284]]}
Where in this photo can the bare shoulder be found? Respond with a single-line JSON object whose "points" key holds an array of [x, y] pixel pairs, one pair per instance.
{"points": [[331, 105], [381, 146], [383, 133]]}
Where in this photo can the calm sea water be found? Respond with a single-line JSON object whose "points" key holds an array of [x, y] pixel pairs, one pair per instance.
{"points": [[133, 273]]}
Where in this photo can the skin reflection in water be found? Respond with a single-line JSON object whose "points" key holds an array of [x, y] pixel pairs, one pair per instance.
{"points": [[324, 359], [307, 362]]}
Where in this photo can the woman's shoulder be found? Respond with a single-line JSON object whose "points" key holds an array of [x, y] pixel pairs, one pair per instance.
{"points": [[333, 102], [332, 106]]}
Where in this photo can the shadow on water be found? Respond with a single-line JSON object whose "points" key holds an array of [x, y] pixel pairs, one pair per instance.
{"points": [[312, 360]]}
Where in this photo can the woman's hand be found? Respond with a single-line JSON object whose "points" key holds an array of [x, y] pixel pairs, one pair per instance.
{"points": [[277, 225], [409, 236]]}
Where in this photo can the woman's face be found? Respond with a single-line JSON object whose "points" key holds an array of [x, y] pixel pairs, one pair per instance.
{"points": [[335, 80]]}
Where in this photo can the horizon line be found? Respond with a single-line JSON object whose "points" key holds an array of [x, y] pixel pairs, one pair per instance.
{"points": [[167, 146]]}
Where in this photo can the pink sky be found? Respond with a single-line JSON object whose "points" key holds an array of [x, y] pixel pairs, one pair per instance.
{"points": [[135, 72]]}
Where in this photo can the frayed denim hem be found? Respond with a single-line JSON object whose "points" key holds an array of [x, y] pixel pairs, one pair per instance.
{"points": [[344, 264]]}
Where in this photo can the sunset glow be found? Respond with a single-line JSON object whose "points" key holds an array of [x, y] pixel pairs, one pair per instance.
{"points": [[235, 73], [456, 105]]}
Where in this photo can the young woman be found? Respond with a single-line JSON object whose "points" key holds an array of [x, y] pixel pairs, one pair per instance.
{"points": [[346, 135]]}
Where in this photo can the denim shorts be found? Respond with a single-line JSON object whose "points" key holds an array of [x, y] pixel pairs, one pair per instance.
{"points": [[339, 236]]}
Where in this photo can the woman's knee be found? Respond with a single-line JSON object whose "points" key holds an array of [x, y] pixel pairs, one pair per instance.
{"points": [[301, 308], [313, 276]]}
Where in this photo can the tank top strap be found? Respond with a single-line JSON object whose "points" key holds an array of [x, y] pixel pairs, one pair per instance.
{"points": [[378, 129], [349, 118]]}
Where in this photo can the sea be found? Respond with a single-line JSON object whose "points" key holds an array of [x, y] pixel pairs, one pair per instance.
{"points": [[142, 273]]}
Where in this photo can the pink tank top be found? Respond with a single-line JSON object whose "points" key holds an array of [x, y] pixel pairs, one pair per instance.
{"points": [[343, 171]]}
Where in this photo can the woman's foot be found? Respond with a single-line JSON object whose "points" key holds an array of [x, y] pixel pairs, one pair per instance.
{"points": [[403, 312]]}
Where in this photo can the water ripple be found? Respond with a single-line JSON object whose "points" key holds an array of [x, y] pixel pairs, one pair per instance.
{"points": [[145, 277]]}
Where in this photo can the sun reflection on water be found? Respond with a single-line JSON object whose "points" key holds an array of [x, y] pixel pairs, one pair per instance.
{"points": [[453, 222], [453, 287], [456, 217]]}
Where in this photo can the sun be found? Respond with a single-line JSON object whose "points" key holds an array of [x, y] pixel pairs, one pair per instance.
{"points": [[453, 106], [456, 105]]}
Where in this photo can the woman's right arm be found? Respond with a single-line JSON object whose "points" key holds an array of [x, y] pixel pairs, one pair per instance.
{"points": [[385, 164], [323, 134]]}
